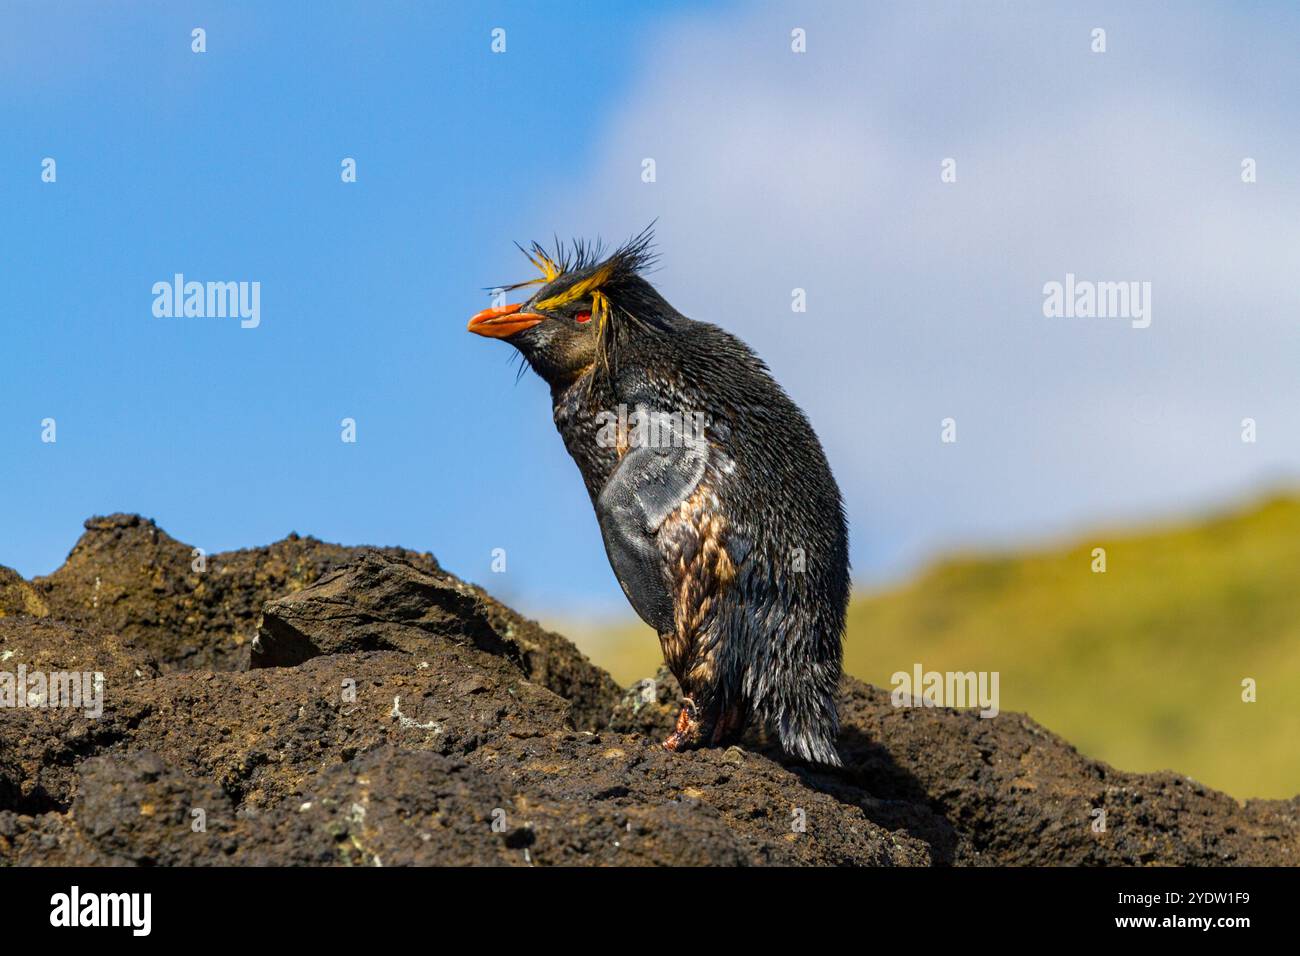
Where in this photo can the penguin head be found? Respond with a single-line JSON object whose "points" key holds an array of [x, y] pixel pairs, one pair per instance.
{"points": [[586, 301]]}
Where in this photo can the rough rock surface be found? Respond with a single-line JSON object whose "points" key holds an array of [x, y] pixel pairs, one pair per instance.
{"points": [[128, 577], [19, 597], [388, 713]]}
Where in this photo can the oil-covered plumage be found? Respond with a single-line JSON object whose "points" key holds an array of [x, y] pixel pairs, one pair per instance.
{"points": [[722, 522]]}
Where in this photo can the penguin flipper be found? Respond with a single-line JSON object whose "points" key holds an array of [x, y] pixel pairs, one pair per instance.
{"points": [[649, 484]]}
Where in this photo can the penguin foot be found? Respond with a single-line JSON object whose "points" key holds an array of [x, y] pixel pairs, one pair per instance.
{"points": [[713, 728], [687, 732]]}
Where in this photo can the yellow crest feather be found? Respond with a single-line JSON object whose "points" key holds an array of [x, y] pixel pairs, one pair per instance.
{"points": [[544, 263], [578, 290]]}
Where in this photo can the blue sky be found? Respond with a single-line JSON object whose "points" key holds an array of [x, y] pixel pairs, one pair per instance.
{"points": [[775, 170]]}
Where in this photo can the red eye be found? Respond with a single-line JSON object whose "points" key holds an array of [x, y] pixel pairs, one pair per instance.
{"points": [[583, 316]]}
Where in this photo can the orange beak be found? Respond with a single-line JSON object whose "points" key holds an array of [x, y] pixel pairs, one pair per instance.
{"points": [[503, 321]]}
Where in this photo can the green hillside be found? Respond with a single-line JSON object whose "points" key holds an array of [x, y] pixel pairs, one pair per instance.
{"points": [[1141, 666]]}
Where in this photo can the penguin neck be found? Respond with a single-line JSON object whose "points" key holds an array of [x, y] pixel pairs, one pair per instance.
{"points": [[579, 408]]}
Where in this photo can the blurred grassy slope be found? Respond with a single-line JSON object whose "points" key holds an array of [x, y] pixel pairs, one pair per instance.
{"points": [[1140, 666]]}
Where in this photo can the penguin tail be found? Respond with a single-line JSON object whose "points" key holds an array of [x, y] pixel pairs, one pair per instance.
{"points": [[811, 735]]}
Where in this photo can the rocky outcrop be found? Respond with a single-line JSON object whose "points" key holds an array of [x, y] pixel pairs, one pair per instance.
{"points": [[381, 603], [195, 611], [19, 597], [385, 712]]}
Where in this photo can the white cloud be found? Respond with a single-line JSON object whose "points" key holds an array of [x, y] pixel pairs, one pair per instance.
{"points": [[821, 170]]}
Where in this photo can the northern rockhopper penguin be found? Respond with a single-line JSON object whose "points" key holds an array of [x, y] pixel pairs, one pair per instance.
{"points": [[718, 509]]}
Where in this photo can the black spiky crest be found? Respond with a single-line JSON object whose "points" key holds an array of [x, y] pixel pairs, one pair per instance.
{"points": [[581, 267]]}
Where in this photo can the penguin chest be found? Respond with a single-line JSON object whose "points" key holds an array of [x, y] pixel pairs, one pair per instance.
{"points": [[699, 569]]}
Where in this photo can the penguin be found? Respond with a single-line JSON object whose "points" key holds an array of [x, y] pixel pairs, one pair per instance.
{"points": [[718, 510]]}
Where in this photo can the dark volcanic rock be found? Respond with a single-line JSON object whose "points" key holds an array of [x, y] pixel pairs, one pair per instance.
{"points": [[382, 603], [1007, 791], [396, 715], [19, 597], [1021, 795], [271, 740], [259, 735], [414, 807], [128, 577], [40, 745], [131, 578], [374, 604]]}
